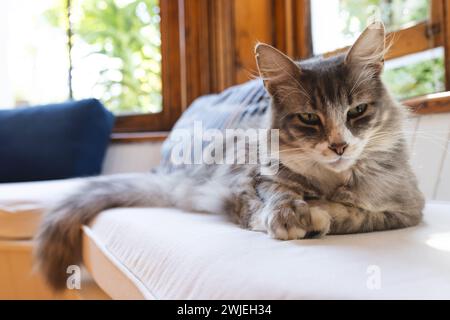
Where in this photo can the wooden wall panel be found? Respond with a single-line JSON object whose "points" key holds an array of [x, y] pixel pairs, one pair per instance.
{"points": [[195, 51], [284, 24], [253, 22], [217, 40], [302, 35], [293, 27], [222, 50]]}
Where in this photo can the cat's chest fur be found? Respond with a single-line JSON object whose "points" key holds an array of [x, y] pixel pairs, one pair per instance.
{"points": [[312, 179]]}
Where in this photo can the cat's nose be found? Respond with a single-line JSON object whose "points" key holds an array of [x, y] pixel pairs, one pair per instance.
{"points": [[338, 148]]}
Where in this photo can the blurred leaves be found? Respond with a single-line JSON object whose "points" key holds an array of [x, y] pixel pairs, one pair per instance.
{"points": [[416, 79], [406, 81], [127, 33], [396, 14]]}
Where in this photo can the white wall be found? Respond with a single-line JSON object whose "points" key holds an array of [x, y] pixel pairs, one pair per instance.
{"points": [[430, 154], [132, 157]]}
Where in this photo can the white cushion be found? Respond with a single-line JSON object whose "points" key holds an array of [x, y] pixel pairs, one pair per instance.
{"points": [[21, 205], [169, 254]]}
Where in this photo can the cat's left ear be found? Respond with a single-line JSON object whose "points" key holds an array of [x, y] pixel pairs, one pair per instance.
{"points": [[370, 48], [275, 68]]}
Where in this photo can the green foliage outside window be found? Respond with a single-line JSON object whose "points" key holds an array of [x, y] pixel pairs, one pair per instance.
{"points": [[128, 33], [416, 79], [396, 14], [406, 81]]}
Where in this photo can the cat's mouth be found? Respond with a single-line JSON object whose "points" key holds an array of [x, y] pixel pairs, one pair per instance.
{"points": [[338, 159], [339, 163]]}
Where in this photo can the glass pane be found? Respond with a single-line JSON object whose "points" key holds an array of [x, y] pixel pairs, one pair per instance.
{"points": [[116, 53], [337, 23], [33, 54], [416, 74]]}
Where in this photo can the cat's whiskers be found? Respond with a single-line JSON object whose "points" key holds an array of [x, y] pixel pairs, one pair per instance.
{"points": [[292, 149]]}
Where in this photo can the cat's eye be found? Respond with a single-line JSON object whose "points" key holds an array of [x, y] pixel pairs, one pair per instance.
{"points": [[309, 118], [357, 111]]}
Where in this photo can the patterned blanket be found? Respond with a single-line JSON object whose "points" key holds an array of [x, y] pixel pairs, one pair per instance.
{"points": [[240, 106]]}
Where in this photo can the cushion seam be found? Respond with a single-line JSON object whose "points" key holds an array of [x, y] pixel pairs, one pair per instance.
{"points": [[116, 262]]}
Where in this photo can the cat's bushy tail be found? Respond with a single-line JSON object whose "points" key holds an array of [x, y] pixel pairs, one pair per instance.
{"points": [[58, 240]]}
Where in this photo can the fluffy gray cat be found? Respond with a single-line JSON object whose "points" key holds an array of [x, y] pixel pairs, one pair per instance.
{"points": [[344, 166]]}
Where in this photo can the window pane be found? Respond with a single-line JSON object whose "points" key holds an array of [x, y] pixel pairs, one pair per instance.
{"points": [[116, 53], [416, 74], [33, 54], [337, 23]]}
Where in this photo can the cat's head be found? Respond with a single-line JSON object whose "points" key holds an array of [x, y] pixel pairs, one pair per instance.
{"points": [[328, 110]]}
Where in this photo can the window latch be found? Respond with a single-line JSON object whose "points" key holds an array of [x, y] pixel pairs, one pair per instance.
{"points": [[433, 29]]}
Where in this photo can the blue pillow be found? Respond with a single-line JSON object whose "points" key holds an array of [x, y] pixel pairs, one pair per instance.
{"points": [[54, 141]]}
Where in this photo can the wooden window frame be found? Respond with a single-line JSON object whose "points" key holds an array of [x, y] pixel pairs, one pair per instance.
{"points": [[426, 35], [429, 34], [171, 52], [192, 31], [198, 47], [422, 36], [199, 56]]}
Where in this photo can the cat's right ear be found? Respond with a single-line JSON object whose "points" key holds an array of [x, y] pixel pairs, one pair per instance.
{"points": [[370, 48], [275, 68]]}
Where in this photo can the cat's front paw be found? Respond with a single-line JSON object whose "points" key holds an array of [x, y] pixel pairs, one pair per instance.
{"points": [[294, 220], [320, 222]]}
